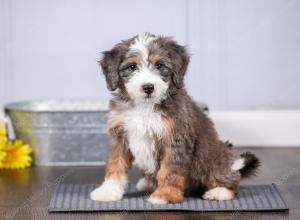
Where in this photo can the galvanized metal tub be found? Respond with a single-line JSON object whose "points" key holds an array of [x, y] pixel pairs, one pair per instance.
{"points": [[62, 132]]}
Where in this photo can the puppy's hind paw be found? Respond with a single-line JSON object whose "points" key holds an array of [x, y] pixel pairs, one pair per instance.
{"points": [[218, 193], [144, 184]]}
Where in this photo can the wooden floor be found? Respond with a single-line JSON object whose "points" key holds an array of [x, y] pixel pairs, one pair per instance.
{"points": [[25, 194]]}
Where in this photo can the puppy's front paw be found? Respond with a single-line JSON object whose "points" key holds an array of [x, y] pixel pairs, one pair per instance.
{"points": [[156, 200], [165, 195], [218, 193], [110, 190], [105, 194]]}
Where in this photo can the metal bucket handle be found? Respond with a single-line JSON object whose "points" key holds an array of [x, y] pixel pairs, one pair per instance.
{"points": [[11, 135]]}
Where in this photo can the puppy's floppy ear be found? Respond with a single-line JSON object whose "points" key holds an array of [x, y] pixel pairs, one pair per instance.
{"points": [[180, 59], [110, 66]]}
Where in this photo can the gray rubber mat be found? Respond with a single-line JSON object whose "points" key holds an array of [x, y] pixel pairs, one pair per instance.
{"points": [[75, 197]]}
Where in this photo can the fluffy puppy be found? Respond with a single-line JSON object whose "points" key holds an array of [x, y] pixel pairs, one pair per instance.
{"points": [[154, 123]]}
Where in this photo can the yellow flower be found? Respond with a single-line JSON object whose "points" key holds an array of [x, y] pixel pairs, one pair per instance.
{"points": [[17, 155], [13, 155], [2, 156], [3, 141], [3, 137]]}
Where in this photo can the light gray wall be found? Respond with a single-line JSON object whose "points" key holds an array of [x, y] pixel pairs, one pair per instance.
{"points": [[246, 54]]}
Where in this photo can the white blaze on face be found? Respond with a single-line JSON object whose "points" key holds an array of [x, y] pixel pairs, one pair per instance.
{"points": [[144, 75], [141, 45]]}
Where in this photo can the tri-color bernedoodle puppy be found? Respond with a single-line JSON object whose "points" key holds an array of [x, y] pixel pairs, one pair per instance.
{"points": [[155, 123]]}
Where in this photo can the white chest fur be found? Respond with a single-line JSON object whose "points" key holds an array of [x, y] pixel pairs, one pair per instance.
{"points": [[142, 124]]}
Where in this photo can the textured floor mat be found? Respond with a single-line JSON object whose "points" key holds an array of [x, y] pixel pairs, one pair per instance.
{"points": [[75, 197]]}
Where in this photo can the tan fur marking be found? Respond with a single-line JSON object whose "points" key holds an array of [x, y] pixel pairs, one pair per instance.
{"points": [[169, 132], [170, 194], [118, 164], [136, 59], [120, 158], [170, 185], [154, 57], [212, 185], [132, 58]]}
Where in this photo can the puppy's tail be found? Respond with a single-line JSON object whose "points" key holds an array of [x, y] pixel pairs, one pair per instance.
{"points": [[247, 164]]}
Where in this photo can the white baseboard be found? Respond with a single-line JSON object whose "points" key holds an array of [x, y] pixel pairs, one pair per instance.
{"points": [[259, 128]]}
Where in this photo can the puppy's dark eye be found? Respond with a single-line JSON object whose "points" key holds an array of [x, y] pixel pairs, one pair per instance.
{"points": [[132, 67], [159, 65], [164, 71]]}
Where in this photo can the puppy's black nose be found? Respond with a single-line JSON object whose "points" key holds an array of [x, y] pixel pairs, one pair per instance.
{"points": [[148, 88]]}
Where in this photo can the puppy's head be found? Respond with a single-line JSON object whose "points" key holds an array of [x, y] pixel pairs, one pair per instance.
{"points": [[145, 68]]}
